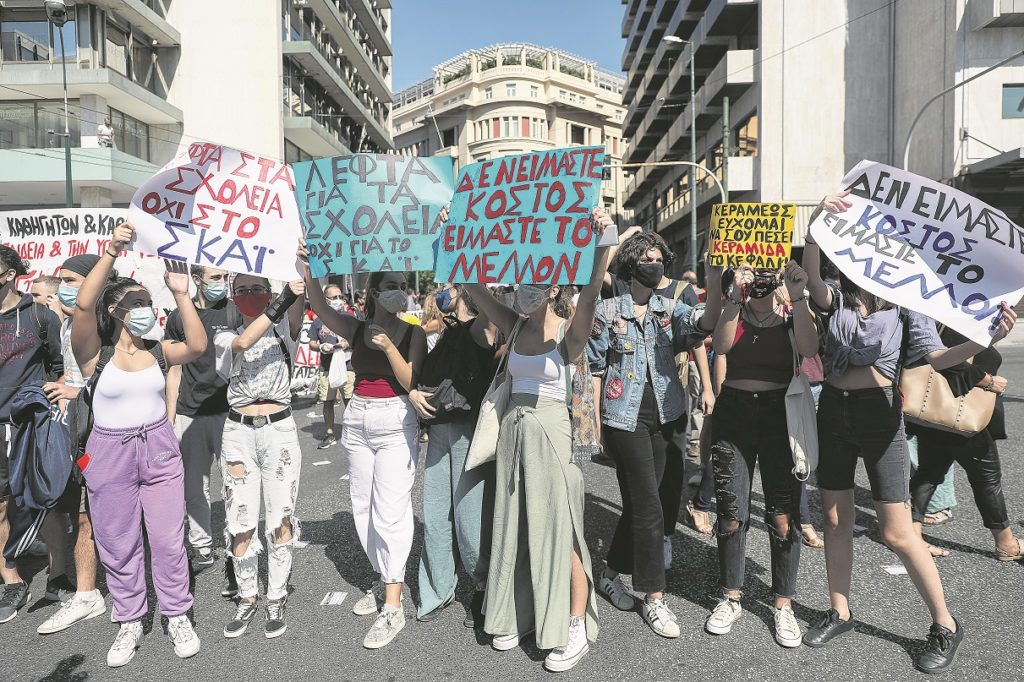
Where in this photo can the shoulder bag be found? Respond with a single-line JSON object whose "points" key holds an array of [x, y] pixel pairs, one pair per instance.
{"points": [[484, 446], [801, 419]]}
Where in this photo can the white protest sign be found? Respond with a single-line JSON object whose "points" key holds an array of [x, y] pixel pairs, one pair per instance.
{"points": [[220, 207], [927, 247], [48, 237]]}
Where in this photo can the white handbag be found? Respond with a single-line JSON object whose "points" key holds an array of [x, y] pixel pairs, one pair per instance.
{"points": [[801, 420], [337, 375], [484, 445]]}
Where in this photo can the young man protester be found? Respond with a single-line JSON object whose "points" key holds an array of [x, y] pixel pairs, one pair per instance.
{"points": [[323, 341], [29, 350], [198, 398]]}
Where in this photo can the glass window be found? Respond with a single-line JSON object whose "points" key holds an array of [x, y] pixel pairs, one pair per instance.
{"points": [[510, 89], [1013, 101], [488, 93], [117, 49], [26, 36], [142, 63], [69, 34], [511, 124], [577, 135], [17, 125], [746, 134], [50, 124], [449, 136], [131, 135], [534, 91]]}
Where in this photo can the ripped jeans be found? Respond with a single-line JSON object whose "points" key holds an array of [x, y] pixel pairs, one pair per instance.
{"points": [[255, 462], [748, 427]]}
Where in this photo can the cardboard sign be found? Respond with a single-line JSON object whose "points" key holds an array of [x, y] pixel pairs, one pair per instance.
{"points": [[927, 247], [523, 219], [758, 235], [372, 212], [217, 206]]}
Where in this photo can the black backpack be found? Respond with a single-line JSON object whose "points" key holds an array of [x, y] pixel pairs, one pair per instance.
{"points": [[458, 372], [80, 417]]}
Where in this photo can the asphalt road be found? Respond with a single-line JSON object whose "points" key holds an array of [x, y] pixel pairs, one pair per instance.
{"points": [[324, 642]]}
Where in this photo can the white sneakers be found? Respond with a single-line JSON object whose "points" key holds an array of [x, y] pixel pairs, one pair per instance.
{"points": [[76, 609], [370, 602], [125, 644], [385, 628], [667, 549], [185, 639], [727, 612], [616, 592], [509, 642], [660, 618], [565, 658], [787, 630]]}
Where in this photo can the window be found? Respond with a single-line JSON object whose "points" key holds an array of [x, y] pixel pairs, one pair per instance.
{"points": [[1013, 101], [449, 137], [577, 134], [26, 36], [38, 124], [510, 126], [116, 49], [534, 91], [510, 89], [131, 135], [488, 93], [746, 134]]}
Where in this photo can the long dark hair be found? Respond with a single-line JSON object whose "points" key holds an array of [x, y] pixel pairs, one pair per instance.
{"points": [[374, 285], [468, 300], [562, 303], [635, 248], [113, 293], [854, 297]]}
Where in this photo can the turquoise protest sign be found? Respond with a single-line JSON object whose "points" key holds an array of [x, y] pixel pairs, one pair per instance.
{"points": [[372, 212], [523, 219]]}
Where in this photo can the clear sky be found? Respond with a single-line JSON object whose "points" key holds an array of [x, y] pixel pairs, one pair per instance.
{"points": [[425, 33]]}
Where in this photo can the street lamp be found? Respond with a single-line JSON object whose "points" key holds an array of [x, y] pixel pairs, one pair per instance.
{"points": [[676, 40], [57, 13]]}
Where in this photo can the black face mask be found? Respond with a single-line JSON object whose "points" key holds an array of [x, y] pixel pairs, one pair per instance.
{"points": [[763, 285], [649, 274]]}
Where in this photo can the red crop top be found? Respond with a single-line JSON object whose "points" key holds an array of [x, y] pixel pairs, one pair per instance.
{"points": [[761, 354], [374, 376]]}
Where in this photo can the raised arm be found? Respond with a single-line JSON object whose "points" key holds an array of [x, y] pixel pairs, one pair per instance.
{"points": [[503, 317], [345, 326], [582, 322], [950, 357], [804, 329], [820, 293], [85, 338], [175, 352], [725, 331], [630, 231], [713, 299]]}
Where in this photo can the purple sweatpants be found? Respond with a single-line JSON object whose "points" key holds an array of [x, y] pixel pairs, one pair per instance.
{"points": [[135, 476]]}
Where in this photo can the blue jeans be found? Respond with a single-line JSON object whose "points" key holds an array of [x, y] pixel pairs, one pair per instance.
{"points": [[945, 495], [458, 511]]}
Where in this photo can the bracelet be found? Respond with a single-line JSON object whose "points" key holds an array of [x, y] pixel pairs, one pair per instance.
{"points": [[113, 255], [991, 384], [797, 300], [734, 301]]}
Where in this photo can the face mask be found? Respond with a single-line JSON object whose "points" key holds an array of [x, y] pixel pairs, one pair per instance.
{"points": [[215, 291], [649, 274], [252, 305], [68, 295], [394, 301], [338, 304], [142, 320], [529, 298], [444, 299], [763, 284]]}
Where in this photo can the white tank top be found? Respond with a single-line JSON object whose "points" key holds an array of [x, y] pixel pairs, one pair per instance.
{"points": [[124, 400], [541, 375]]}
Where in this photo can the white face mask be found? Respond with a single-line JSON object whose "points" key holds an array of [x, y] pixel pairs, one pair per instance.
{"points": [[529, 298], [337, 304], [394, 301]]}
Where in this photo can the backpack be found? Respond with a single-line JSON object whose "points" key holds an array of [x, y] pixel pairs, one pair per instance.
{"points": [[80, 416], [43, 334], [457, 372]]}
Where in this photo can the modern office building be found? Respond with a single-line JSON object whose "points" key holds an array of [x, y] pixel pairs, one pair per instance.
{"points": [[288, 79], [789, 96], [510, 99]]}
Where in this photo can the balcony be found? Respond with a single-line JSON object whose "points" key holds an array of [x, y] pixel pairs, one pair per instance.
{"points": [[996, 13], [373, 24], [140, 14], [308, 56], [309, 135], [39, 174]]}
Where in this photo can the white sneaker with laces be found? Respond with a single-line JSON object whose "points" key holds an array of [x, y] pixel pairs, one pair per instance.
{"points": [[727, 612], [508, 642], [370, 602], [125, 644], [389, 623], [566, 658], [787, 630], [184, 637], [616, 592], [660, 618], [668, 553], [72, 611]]}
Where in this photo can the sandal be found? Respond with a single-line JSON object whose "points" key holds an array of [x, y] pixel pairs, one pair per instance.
{"points": [[938, 518], [938, 552], [1006, 556], [810, 536], [698, 520]]}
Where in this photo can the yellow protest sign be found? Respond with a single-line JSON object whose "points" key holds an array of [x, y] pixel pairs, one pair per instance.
{"points": [[759, 235]]}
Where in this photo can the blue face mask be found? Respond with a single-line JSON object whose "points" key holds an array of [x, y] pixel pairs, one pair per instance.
{"points": [[68, 295], [215, 291], [141, 322], [444, 299]]}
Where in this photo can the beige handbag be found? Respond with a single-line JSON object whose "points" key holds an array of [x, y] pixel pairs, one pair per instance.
{"points": [[801, 419], [929, 401], [484, 445]]}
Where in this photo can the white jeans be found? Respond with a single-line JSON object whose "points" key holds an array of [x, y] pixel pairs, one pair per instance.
{"points": [[271, 461], [379, 435]]}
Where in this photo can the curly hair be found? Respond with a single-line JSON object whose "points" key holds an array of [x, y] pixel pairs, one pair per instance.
{"points": [[10, 260], [561, 305], [635, 248]]}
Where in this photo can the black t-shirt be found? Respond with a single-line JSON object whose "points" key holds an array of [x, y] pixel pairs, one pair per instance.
{"points": [[457, 356], [321, 334], [202, 390]]}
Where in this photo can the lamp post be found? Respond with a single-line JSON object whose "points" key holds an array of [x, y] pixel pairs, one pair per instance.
{"points": [[57, 13], [676, 40]]}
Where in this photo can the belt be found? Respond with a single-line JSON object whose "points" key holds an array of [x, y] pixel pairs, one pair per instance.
{"points": [[260, 420]]}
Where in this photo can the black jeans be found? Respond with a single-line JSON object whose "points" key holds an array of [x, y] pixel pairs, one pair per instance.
{"points": [[751, 427], [674, 481], [640, 457], [978, 455]]}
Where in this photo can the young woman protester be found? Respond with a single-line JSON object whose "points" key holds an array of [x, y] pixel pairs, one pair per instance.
{"points": [[260, 455], [379, 434], [457, 504], [754, 333], [639, 334], [860, 417], [540, 576], [132, 466]]}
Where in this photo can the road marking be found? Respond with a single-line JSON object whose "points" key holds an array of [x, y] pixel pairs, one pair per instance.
{"points": [[321, 463], [334, 599]]}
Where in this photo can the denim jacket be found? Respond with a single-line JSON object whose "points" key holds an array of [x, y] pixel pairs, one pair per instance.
{"points": [[623, 348]]}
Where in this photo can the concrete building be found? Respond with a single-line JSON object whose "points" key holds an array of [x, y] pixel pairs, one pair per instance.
{"points": [[287, 79], [510, 99], [790, 95]]}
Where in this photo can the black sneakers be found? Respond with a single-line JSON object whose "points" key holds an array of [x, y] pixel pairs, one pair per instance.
{"points": [[60, 589], [244, 614], [828, 628], [475, 615], [229, 588], [328, 441], [940, 652], [276, 624], [202, 559]]}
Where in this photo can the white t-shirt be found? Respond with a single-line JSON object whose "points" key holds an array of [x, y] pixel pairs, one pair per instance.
{"points": [[72, 374], [105, 134], [260, 373]]}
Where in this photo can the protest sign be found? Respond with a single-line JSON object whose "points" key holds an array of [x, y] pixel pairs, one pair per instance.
{"points": [[220, 207], [305, 364], [48, 237], [372, 212], [523, 219], [926, 247], [758, 235]]}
